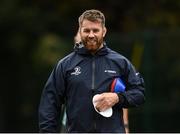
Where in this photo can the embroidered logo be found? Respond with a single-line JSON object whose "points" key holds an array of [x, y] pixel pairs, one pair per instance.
{"points": [[77, 71], [110, 71]]}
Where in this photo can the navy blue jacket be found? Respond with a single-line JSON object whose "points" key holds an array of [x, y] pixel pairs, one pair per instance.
{"points": [[76, 79]]}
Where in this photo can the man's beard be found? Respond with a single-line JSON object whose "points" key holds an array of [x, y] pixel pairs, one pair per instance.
{"points": [[93, 45]]}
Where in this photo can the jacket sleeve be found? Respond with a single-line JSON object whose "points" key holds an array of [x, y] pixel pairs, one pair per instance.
{"points": [[51, 101], [134, 95]]}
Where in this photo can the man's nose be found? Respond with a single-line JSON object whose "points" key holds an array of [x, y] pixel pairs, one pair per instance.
{"points": [[91, 34]]}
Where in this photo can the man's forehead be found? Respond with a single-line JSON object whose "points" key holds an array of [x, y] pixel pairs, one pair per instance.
{"points": [[90, 24]]}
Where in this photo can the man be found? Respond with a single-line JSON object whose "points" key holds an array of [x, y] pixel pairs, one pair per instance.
{"points": [[88, 71], [77, 40]]}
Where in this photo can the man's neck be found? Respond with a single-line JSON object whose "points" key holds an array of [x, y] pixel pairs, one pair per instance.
{"points": [[94, 52]]}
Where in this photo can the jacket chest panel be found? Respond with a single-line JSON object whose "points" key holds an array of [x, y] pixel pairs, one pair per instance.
{"points": [[92, 74]]}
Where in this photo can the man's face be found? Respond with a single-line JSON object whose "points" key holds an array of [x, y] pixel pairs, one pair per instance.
{"points": [[92, 34]]}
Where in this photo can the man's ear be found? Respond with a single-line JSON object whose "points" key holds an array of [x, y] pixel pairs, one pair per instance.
{"points": [[104, 31]]}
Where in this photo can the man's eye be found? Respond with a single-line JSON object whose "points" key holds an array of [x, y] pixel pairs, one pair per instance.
{"points": [[96, 30], [86, 31]]}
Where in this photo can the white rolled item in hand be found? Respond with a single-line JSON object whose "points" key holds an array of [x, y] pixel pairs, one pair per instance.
{"points": [[107, 113]]}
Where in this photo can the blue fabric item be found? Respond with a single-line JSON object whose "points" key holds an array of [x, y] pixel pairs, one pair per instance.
{"points": [[119, 86]]}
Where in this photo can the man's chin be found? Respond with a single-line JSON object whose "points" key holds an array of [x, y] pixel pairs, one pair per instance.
{"points": [[92, 50], [91, 46]]}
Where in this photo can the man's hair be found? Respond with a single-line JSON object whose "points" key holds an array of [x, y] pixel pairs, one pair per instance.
{"points": [[92, 15]]}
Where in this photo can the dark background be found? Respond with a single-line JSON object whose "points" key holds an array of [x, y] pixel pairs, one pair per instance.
{"points": [[36, 34]]}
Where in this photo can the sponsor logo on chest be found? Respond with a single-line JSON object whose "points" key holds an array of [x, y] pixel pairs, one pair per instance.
{"points": [[110, 71]]}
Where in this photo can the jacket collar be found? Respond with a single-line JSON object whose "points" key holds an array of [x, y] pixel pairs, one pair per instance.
{"points": [[80, 49]]}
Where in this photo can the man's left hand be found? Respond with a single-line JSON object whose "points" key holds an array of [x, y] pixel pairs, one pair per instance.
{"points": [[106, 100]]}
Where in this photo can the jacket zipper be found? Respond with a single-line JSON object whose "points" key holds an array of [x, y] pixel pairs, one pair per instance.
{"points": [[93, 87], [93, 75]]}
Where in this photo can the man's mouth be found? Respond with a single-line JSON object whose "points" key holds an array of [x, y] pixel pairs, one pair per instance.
{"points": [[91, 41]]}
